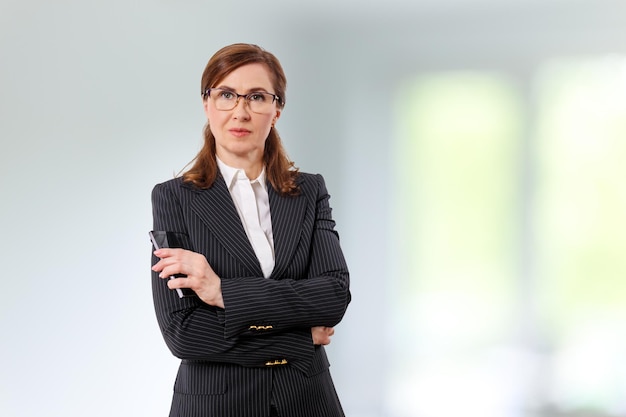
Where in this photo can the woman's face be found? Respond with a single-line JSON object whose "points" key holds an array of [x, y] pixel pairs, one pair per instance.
{"points": [[240, 134]]}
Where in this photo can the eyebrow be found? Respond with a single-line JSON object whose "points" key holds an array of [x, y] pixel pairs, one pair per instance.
{"points": [[250, 90]]}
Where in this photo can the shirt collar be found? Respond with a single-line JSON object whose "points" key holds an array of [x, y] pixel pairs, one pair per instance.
{"points": [[231, 175]]}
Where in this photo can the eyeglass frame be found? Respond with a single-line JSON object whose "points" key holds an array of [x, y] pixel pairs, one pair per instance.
{"points": [[207, 93]]}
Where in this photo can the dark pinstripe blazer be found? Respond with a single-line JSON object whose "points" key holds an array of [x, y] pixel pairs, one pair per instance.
{"points": [[258, 350]]}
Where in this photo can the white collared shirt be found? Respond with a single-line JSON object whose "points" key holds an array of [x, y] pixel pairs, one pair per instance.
{"points": [[262, 243]]}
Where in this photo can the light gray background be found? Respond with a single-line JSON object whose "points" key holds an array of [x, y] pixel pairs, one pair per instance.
{"points": [[99, 100]]}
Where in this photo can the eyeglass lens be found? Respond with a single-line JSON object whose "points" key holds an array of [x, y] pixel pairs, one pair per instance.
{"points": [[258, 102]]}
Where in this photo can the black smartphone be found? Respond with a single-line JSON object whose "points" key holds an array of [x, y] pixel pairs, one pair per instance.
{"points": [[162, 239]]}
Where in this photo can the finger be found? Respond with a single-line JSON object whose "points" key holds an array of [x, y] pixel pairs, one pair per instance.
{"points": [[168, 252], [162, 262], [168, 266], [160, 265], [175, 283], [172, 284], [171, 270], [157, 266]]}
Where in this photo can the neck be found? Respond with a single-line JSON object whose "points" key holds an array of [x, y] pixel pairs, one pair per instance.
{"points": [[252, 167]]}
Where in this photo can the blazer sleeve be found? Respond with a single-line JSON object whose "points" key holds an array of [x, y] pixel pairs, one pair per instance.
{"points": [[315, 295], [193, 330]]}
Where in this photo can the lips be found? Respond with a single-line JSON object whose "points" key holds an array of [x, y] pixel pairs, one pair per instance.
{"points": [[239, 132]]}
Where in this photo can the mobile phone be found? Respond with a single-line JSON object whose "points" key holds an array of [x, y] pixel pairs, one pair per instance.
{"points": [[162, 239]]}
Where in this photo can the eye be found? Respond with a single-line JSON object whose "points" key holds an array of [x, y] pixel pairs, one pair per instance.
{"points": [[226, 95], [260, 97]]}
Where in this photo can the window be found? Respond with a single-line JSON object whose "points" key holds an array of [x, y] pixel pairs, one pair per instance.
{"points": [[510, 242]]}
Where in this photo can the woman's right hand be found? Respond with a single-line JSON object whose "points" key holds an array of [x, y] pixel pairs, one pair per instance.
{"points": [[321, 334], [200, 276]]}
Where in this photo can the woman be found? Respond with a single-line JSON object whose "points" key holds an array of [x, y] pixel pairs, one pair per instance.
{"points": [[269, 276]]}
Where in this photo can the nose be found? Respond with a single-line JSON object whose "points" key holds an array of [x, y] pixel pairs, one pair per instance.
{"points": [[244, 109]]}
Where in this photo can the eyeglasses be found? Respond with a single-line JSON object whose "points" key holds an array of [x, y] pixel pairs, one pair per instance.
{"points": [[258, 102]]}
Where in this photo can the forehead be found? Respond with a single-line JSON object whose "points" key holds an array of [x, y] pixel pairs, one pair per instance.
{"points": [[248, 77]]}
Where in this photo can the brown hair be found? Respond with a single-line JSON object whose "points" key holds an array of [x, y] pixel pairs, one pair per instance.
{"points": [[281, 172]]}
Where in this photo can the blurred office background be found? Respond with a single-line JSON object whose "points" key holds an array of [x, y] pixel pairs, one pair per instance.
{"points": [[474, 151]]}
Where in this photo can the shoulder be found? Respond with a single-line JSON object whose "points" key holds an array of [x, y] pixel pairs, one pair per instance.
{"points": [[169, 184], [309, 179], [167, 187], [174, 188], [175, 185], [312, 184]]}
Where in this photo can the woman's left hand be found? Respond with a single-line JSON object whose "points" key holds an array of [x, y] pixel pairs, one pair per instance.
{"points": [[200, 276], [321, 335]]}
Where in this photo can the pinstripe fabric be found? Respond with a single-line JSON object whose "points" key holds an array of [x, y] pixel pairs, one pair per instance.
{"points": [[258, 350]]}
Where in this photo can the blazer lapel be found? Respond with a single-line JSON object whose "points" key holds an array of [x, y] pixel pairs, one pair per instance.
{"points": [[287, 217], [215, 207]]}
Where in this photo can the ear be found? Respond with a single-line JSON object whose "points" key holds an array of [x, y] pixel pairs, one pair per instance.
{"points": [[205, 105], [276, 116]]}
